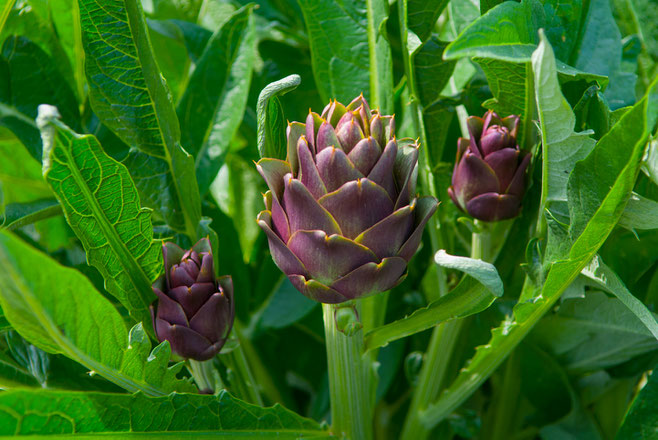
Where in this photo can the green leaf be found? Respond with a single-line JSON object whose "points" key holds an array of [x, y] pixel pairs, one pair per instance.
{"points": [[13, 375], [635, 127], [561, 146], [600, 52], [468, 298], [431, 72], [640, 213], [102, 207], [341, 66], [507, 32], [236, 191], [31, 78], [58, 413], [66, 20], [130, 96], [215, 99], [591, 333], [57, 309], [605, 278], [641, 421], [285, 307], [17, 215], [271, 125], [482, 271], [422, 16]]}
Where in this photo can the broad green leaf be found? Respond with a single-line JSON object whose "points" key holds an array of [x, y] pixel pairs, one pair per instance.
{"points": [[102, 206], [431, 72], [215, 99], [591, 333], [130, 96], [640, 213], [341, 66], [632, 129], [600, 52], [236, 191], [641, 421], [468, 298], [57, 413], [66, 20], [422, 16], [32, 19], [482, 271], [605, 278], [284, 307], [17, 215], [19, 172], [57, 309], [31, 78], [561, 146], [269, 113], [13, 375], [506, 32]]}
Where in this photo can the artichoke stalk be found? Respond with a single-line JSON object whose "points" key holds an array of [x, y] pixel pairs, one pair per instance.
{"points": [[488, 180], [195, 309], [342, 217]]}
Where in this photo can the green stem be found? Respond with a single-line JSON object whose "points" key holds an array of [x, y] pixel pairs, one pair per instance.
{"points": [[350, 380], [434, 373], [205, 375], [241, 378]]}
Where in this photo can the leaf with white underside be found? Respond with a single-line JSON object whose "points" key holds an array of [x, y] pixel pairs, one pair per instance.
{"points": [[640, 213], [57, 309], [484, 272], [468, 298], [102, 206]]}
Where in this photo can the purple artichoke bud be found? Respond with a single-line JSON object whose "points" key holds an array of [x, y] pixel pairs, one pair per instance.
{"points": [[342, 217], [194, 308], [488, 181]]}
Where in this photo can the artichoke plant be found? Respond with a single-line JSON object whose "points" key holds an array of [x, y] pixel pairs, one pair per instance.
{"points": [[195, 309], [342, 217], [488, 181]]}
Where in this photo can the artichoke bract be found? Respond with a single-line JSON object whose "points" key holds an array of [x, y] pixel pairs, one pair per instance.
{"points": [[488, 181], [342, 218], [195, 309]]}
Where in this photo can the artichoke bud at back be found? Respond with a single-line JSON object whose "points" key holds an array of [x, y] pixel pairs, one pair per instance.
{"points": [[489, 178], [341, 215], [195, 309]]}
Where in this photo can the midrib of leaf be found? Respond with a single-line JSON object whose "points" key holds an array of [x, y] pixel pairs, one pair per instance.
{"points": [[141, 283], [7, 110], [159, 100], [5, 13], [70, 350], [163, 109]]}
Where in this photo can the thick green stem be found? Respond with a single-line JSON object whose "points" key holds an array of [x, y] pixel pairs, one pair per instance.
{"points": [[205, 375], [350, 380], [434, 373], [241, 379]]}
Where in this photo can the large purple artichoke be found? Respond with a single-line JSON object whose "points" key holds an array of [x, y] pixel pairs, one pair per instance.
{"points": [[342, 218], [195, 309], [488, 181]]}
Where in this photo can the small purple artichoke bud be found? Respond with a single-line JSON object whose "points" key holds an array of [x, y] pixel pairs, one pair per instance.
{"points": [[342, 216], [195, 309], [488, 181]]}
